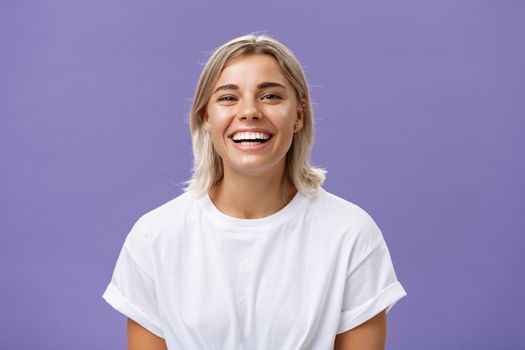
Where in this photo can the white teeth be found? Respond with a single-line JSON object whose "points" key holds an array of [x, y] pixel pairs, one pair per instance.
{"points": [[250, 136]]}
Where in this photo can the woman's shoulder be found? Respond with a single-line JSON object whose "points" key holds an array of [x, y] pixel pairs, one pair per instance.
{"points": [[168, 214], [339, 209], [337, 214]]}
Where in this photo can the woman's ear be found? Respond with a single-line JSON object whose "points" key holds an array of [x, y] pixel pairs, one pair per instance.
{"points": [[205, 124], [301, 107]]}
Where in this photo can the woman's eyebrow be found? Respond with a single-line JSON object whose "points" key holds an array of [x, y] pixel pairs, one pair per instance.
{"points": [[227, 87], [264, 85], [269, 84]]}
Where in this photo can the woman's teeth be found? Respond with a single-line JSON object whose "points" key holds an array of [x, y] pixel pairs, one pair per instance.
{"points": [[251, 138], [249, 143]]}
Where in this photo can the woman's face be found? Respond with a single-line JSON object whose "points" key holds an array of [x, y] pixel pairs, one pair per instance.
{"points": [[253, 100]]}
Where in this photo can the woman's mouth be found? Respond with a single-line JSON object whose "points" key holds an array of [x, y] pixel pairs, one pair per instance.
{"points": [[251, 144]]}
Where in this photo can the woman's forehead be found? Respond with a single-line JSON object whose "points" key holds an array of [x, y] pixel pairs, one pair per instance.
{"points": [[252, 69]]}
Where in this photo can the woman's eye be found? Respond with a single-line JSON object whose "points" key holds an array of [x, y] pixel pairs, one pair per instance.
{"points": [[271, 97], [226, 98]]}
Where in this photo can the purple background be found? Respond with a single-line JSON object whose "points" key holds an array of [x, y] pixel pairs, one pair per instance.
{"points": [[419, 108]]}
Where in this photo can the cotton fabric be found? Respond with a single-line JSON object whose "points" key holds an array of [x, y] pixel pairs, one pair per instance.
{"points": [[201, 279]]}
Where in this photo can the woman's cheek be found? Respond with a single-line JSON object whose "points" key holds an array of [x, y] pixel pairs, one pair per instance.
{"points": [[225, 114]]}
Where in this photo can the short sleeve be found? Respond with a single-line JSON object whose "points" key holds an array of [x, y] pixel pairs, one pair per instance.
{"points": [[371, 284], [131, 290]]}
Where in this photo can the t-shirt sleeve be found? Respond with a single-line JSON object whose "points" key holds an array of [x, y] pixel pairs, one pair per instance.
{"points": [[131, 290], [371, 284]]}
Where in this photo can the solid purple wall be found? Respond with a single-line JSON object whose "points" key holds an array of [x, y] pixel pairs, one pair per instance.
{"points": [[419, 108]]}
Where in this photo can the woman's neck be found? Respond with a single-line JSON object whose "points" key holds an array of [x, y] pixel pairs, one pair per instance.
{"points": [[252, 197]]}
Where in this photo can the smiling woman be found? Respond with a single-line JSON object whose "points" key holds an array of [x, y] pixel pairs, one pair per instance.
{"points": [[253, 101], [255, 254]]}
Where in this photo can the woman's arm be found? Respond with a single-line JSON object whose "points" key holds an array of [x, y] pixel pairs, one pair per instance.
{"points": [[370, 335], [139, 338]]}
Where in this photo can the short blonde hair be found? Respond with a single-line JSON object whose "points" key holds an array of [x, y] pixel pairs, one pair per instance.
{"points": [[207, 164]]}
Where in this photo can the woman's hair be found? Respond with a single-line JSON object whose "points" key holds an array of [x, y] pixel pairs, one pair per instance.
{"points": [[207, 165]]}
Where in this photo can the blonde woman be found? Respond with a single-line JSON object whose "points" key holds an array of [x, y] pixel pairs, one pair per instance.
{"points": [[255, 254]]}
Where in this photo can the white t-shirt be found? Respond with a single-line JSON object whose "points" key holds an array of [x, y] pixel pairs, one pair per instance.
{"points": [[201, 279]]}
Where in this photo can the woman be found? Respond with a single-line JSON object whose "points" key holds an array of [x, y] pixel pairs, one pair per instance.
{"points": [[255, 254]]}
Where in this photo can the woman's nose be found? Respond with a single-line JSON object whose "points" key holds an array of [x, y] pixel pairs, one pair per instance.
{"points": [[249, 110]]}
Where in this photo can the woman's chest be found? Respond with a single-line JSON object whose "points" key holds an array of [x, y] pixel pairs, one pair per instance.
{"points": [[265, 292]]}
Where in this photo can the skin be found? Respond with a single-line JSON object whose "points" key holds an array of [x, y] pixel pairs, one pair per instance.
{"points": [[370, 335], [139, 338], [240, 102], [241, 99]]}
